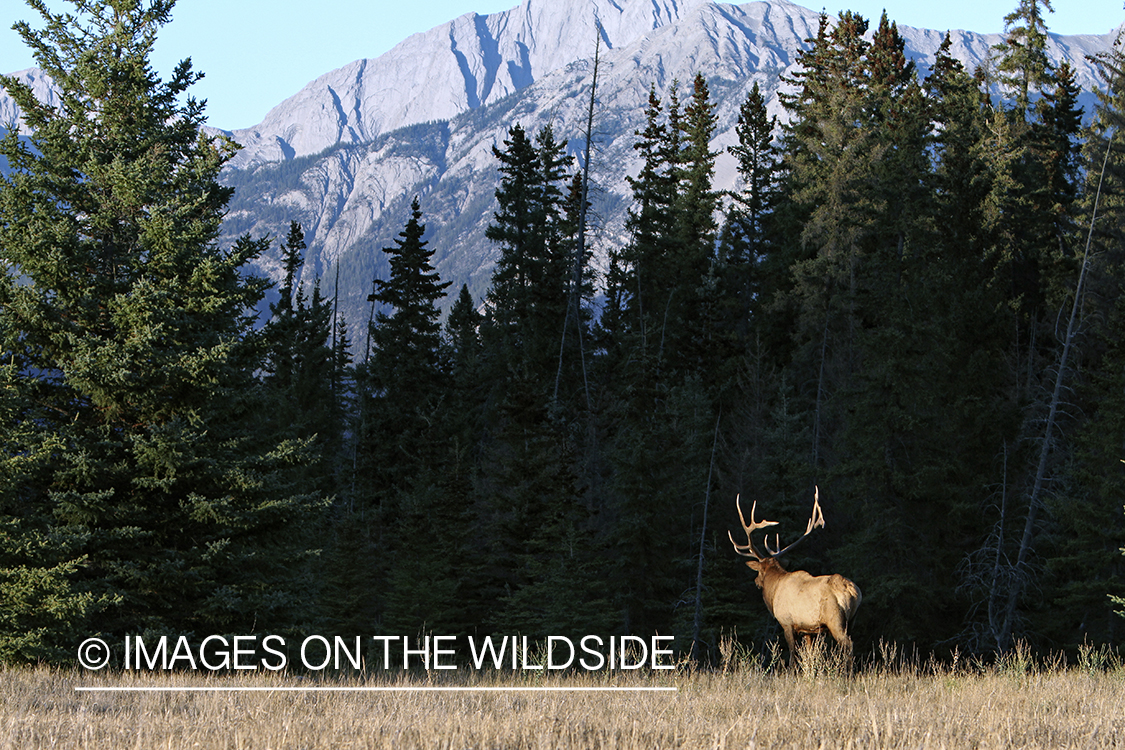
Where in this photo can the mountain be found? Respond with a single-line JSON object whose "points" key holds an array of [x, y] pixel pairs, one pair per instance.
{"points": [[469, 62], [44, 90], [346, 154]]}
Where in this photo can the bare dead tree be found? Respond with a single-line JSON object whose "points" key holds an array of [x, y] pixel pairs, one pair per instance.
{"points": [[1013, 593], [575, 306], [697, 627]]}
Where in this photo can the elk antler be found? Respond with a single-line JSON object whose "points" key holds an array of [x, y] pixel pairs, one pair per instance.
{"points": [[747, 550], [816, 521]]}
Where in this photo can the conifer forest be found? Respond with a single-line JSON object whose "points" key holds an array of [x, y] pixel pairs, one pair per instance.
{"points": [[912, 302]]}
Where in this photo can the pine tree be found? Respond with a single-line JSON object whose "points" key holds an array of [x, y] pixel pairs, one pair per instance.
{"points": [[126, 334], [745, 247], [1085, 562], [299, 364], [404, 378], [529, 299], [1024, 65]]}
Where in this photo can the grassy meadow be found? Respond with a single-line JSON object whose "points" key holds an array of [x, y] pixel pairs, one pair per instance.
{"points": [[888, 702]]}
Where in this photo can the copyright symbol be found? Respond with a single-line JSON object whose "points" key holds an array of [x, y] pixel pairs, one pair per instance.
{"points": [[93, 653]]}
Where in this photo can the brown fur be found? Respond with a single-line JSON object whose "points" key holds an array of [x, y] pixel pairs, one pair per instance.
{"points": [[806, 604]]}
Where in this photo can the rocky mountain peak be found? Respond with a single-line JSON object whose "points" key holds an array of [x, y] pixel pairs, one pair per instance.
{"points": [[469, 62]]}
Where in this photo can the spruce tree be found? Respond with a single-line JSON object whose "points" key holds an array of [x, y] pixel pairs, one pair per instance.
{"points": [[528, 299], [125, 333], [745, 246], [299, 364], [638, 276], [1035, 143], [1085, 561], [409, 461], [961, 177], [895, 352], [463, 334], [404, 378], [662, 307], [405, 341], [1023, 65], [698, 201], [1031, 147]]}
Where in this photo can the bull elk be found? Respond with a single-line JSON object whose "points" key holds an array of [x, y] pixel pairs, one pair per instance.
{"points": [[802, 604]]}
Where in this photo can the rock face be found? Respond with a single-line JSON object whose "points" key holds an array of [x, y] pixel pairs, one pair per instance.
{"points": [[347, 153], [44, 90], [469, 62], [39, 82]]}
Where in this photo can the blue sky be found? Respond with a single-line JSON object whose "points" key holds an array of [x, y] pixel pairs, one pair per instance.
{"points": [[255, 53]]}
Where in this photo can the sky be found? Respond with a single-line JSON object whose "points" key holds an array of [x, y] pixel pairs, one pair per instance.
{"points": [[256, 53]]}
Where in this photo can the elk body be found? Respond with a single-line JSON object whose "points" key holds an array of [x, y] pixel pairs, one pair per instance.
{"points": [[803, 604]]}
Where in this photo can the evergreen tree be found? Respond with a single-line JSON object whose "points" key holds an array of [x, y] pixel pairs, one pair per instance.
{"points": [[405, 342], [299, 365], [463, 334], [897, 351], [746, 242], [406, 451], [532, 370], [1035, 161], [404, 379], [1031, 147], [1024, 65], [698, 202], [660, 337], [1085, 562], [528, 298], [638, 278], [693, 327], [662, 309], [126, 333], [961, 179]]}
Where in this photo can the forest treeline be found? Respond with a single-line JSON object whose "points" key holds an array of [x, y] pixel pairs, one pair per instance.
{"points": [[903, 304]]}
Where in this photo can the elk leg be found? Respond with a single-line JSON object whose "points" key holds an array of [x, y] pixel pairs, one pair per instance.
{"points": [[838, 627], [788, 630]]}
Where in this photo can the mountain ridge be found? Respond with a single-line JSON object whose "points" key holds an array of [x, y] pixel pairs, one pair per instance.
{"points": [[486, 58], [347, 169], [354, 199]]}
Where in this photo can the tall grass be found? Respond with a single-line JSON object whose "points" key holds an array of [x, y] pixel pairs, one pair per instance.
{"points": [[891, 701]]}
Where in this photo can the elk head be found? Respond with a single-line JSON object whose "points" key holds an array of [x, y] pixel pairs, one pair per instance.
{"points": [[759, 562]]}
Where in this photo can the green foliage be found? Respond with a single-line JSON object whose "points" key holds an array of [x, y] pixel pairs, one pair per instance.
{"points": [[405, 342], [873, 317], [1087, 509], [529, 296], [129, 358]]}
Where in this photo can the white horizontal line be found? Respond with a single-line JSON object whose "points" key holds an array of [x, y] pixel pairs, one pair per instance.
{"points": [[361, 689]]}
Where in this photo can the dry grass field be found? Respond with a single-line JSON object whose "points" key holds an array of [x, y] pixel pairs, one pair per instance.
{"points": [[884, 704]]}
